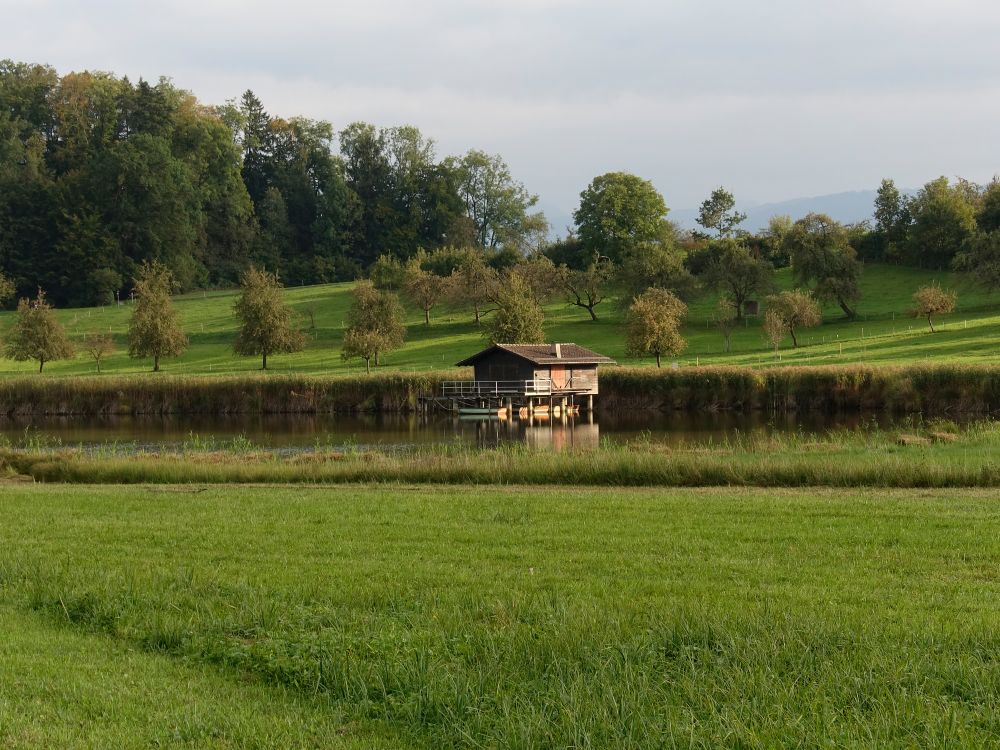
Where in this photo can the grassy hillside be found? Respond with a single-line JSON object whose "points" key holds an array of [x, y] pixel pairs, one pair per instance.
{"points": [[884, 333], [503, 617]]}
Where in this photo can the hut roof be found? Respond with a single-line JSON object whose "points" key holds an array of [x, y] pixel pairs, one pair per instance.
{"points": [[544, 354]]}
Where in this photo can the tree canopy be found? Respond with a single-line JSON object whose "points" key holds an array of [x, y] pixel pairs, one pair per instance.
{"points": [[718, 213], [375, 324], [155, 330], [37, 334], [99, 175], [619, 214], [822, 256], [266, 325], [652, 325]]}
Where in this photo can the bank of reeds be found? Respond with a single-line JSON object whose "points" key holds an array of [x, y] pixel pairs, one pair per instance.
{"points": [[149, 394], [930, 389], [928, 457]]}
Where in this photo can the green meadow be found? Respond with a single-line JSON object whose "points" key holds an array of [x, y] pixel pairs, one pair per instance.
{"points": [[401, 616], [884, 332]]}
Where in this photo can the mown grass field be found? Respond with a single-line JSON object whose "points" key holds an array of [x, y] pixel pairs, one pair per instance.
{"points": [[883, 334], [503, 617]]}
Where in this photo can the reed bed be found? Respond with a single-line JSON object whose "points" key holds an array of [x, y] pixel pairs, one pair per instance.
{"points": [[930, 389], [932, 454], [219, 395]]}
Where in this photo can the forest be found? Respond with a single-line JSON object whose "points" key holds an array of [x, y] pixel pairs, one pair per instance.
{"points": [[98, 174]]}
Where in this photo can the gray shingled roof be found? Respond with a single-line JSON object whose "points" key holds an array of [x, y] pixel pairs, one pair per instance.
{"points": [[545, 354]]}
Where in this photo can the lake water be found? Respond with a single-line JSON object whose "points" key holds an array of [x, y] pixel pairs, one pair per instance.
{"points": [[302, 432]]}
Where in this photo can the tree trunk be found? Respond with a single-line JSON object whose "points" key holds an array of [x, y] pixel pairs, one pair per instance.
{"points": [[795, 341], [156, 363], [41, 365], [590, 309], [368, 365], [657, 359], [847, 311], [728, 343], [263, 364], [427, 316], [476, 307], [98, 367], [931, 324]]}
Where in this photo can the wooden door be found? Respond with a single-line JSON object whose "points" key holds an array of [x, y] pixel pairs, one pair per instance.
{"points": [[558, 375]]}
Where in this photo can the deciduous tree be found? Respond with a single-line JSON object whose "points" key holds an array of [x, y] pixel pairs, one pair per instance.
{"points": [[99, 346], [424, 287], [619, 215], [589, 287], [474, 283], [981, 257], [265, 321], [496, 204], [739, 274], [944, 219], [657, 265], [796, 309], [37, 334], [387, 273], [652, 325], [822, 257], [726, 318], [774, 327], [7, 290], [933, 300], [154, 330], [519, 318], [374, 324]]}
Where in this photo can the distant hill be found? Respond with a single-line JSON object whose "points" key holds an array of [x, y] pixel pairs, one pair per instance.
{"points": [[850, 207]]}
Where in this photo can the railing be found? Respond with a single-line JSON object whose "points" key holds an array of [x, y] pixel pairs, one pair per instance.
{"points": [[472, 388], [536, 387]]}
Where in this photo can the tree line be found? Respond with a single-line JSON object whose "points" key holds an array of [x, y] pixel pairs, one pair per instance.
{"points": [[99, 175]]}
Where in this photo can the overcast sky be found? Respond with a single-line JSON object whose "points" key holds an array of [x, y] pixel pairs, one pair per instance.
{"points": [[773, 99]]}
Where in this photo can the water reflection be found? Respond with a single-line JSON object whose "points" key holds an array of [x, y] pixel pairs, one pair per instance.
{"points": [[393, 430]]}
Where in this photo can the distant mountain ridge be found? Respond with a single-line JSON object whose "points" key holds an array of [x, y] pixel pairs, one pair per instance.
{"points": [[849, 207]]}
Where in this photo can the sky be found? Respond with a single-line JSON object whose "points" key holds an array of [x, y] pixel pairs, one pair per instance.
{"points": [[774, 100]]}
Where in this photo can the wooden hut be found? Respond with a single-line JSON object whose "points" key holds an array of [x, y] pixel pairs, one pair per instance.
{"points": [[528, 375]]}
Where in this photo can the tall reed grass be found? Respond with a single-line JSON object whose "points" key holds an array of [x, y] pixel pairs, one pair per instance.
{"points": [[932, 455], [900, 389]]}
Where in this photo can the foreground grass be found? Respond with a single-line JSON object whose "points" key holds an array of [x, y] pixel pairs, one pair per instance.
{"points": [[534, 618], [932, 454], [883, 334], [61, 688]]}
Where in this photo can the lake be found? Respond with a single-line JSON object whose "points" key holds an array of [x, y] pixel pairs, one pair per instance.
{"points": [[301, 432]]}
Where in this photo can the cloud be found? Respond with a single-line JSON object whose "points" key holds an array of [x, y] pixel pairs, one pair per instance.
{"points": [[774, 100]]}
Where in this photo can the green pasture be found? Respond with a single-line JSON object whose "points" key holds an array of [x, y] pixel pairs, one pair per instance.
{"points": [[884, 332], [498, 617]]}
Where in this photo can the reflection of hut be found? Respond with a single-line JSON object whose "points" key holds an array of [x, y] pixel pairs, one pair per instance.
{"points": [[561, 437], [751, 308], [529, 375]]}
